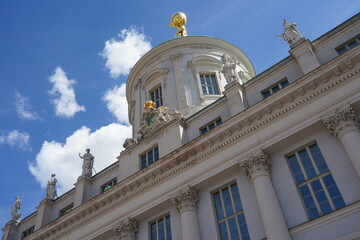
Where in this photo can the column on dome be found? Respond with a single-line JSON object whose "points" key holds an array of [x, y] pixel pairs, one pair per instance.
{"points": [[126, 229], [343, 124], [186, 203], [257, 168]]}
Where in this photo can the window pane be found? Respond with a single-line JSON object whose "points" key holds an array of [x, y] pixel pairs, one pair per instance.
{"points": [[275, 89], [234, 234], [223, 231], [210, 89], [266, 93], [284, 84], [227, 202], [156, 154], [218, 206], [236, 198]]}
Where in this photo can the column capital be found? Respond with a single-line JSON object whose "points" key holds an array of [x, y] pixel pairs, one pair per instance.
{"points": [[126, 229], [186, 199], [341, 121], [257, 164]]}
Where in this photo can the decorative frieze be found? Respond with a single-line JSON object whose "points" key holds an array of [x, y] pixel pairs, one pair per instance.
{"points": [[257, 164], [341, 121], [186, 199], [126, 229]]}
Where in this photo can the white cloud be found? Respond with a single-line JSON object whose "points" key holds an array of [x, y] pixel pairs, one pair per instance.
{"points": [[123, 52], [24, 108], [63, 158], [116, 103], [15, 138], [64, 95]]}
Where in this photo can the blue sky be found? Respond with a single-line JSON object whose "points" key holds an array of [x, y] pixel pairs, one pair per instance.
{"points": [[64, 65]]}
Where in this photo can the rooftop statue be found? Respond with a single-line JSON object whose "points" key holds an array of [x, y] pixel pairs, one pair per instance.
{"points": [[51, 192], [178, 20], [88, 163], [228, 68], [291, 33], [15, 209]]}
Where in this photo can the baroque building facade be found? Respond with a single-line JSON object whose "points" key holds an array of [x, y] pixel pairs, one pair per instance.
{"points": [[222, 153]]}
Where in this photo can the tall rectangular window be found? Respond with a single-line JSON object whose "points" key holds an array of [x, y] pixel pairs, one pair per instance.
{"points": [[230, 214], [161, 229], [156, 97], [208, 84], [149, 157], [314, 181]]}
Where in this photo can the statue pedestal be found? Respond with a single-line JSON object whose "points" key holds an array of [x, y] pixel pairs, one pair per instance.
{"points": [[44, 211], [302, 51], [82, 187], [236, 97], [9, 230]]}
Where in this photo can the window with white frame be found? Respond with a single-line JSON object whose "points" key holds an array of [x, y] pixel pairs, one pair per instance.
{"points": [[66, 210], [230, 214], [348, 45], [161, 229], [27, 232], [209, 84], [156, 96], [149, 157], [275, 88], [314, 181], [108, 185], [210, 126]]}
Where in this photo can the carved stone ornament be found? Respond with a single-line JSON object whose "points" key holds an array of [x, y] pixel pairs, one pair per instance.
{"points": [[126, 229], [15, 209], [186, 199], [257, 164], [129, 142], [291, 33], [228, 68], [153, 118], [341, 121]]}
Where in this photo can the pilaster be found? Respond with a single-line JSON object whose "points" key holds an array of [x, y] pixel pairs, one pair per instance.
{"points": [[126, 229], [179, 82]]}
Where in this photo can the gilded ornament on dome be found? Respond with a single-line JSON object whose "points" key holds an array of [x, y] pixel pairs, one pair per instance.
{"points": [[149, 104], [178, 20]]}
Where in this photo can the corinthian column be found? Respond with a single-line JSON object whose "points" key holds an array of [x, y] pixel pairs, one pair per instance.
{"points": [[126, 229], [257, 168], [343, 124], [186, 202]]}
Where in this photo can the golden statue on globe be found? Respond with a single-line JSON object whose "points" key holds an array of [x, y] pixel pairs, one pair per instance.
{"points": [[178, 20], [149, 104]]}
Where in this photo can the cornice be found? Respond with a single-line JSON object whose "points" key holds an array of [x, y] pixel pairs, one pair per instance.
{"points": [[302, 92]]}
